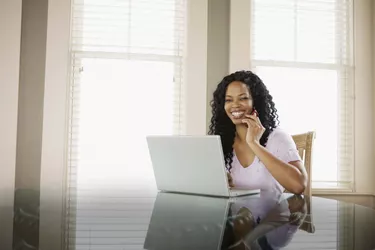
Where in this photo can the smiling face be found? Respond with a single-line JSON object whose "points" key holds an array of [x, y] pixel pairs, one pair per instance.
{"points": [[238, 101]]}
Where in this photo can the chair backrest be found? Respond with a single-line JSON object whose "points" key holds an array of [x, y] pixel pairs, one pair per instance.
{"points": [[304, 143]]}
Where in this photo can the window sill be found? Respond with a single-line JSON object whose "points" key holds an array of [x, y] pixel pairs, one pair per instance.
{"points": [[338, 191]]}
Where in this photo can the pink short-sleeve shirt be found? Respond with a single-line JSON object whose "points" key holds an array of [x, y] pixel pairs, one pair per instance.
{"points": [[257, 176]]}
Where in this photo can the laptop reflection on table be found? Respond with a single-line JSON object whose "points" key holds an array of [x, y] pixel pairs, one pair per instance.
{"points": [[182, 221]]}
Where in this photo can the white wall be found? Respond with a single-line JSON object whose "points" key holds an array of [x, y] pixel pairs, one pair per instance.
{"points": [[10, 30]]}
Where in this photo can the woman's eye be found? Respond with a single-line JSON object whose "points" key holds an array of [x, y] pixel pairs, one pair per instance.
{"points": [[244, 98], [227, 100]]}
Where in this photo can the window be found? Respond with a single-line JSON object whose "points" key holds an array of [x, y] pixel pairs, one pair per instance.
{"points": [[125, 84], [302, 51]]}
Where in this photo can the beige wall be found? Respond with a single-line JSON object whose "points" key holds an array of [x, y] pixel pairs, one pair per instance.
{"points": [[373, 75], [31, 91], [10, 30], [240, 36], [195, 70], [217, 47], [364, 93], [54, 139]]}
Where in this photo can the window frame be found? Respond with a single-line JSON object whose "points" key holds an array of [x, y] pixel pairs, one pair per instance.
{"points": [[241, 41]]}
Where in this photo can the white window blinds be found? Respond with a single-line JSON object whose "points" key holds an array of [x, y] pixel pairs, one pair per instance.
{"points": [[302, 49], [126, 83]]}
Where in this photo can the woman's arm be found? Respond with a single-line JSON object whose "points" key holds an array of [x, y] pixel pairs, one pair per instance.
{"points": [[292, 175]]}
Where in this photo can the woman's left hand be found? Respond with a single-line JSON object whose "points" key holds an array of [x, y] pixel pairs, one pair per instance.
{"points": [[255, 128]]}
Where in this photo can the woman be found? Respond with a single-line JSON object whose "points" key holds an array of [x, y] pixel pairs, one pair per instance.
{"points": [[257, 154]]}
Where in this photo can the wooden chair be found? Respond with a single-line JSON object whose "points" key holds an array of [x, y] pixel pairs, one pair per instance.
{"points": [[304, 143], [308, 225]]}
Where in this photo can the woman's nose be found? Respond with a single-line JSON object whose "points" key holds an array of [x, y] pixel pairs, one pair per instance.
{"points": [[235, 104]]}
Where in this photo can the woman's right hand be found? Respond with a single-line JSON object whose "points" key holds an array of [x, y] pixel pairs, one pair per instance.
{"points": [[230, 180]]}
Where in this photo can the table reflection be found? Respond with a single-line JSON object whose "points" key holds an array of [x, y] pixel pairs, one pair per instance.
{"points": [[268, 223], [265, 221], [123, 219]]}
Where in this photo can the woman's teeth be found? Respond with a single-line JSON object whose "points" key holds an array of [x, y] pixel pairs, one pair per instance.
{"points": [[237, 114]]}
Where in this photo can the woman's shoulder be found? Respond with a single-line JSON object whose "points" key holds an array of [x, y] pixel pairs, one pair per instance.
{"points": [[279, 136]]}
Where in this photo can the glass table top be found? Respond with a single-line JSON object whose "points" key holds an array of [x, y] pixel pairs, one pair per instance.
{"points": [[147, 219]]}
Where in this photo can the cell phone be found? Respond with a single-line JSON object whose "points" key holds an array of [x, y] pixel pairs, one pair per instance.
{"points": [[254, 112]]}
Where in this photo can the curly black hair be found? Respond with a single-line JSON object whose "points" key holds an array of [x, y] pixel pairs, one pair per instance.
{"points": [[262, 101]]}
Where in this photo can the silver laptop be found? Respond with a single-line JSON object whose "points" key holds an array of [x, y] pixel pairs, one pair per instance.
{"points": [[191, 164]]}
